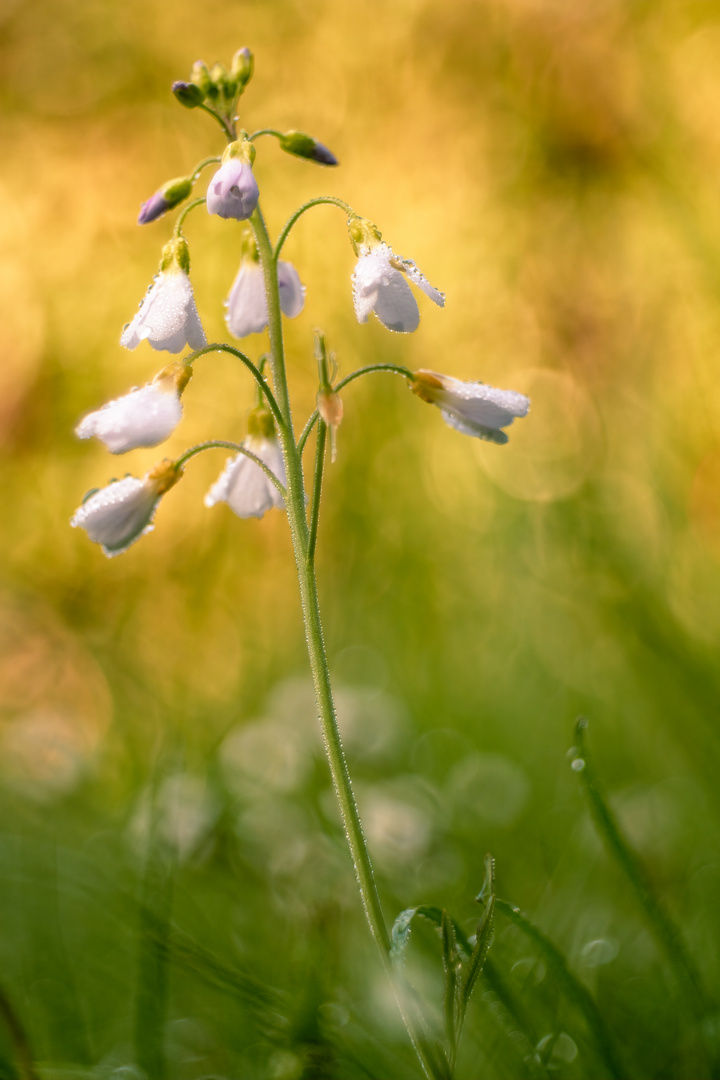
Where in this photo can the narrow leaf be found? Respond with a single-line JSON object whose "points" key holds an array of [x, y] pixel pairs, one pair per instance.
{"points": [[451, 966], [478, 957], [666, 933]]}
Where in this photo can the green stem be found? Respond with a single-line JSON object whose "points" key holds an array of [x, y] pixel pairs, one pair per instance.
{"points": [[256, 373], [181, 217], [203, 165], [214, 444], [227, 127], [314, 634], [317, 488], [265, 131], [393, 368], [330, 200]]}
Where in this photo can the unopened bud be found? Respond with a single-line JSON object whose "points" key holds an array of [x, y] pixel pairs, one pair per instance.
{"points": [[220, 83], [188, 94], [242, 67], [331, 410], [201, 76], [166, 198], [304, 146]]}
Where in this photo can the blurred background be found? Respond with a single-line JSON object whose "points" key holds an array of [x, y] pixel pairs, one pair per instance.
{"points": [[176, 898]]}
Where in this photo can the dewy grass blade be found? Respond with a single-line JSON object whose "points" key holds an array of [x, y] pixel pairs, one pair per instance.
{"points": [[451, 965], [572, 986], [667, 934], [509, 1016]]}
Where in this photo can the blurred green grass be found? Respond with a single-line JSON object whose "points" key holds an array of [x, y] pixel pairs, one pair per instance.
{"points": [[553, 170]]}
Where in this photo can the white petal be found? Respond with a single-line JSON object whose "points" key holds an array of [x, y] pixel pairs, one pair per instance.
{"points": [[144, 417], [368, 275], [478, 431], [119, 514], [396, 307], [422, 283], [292, 291], [167, 317], [246, 305], [244, 486]]}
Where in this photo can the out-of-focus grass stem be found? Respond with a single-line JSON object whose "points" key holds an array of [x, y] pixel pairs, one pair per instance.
{"points": [[18, 1038], [573, 987], [666, 933]]}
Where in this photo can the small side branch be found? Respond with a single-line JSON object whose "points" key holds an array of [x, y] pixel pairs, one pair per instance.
{"points": [[329, 200], [215, 444], [317, 489], [254, 371], [393, 369]]}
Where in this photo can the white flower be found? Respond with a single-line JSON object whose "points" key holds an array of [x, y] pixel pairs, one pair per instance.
{"points": [[119, 514], [244, 486], [473, 408], [380, 285], [233, 190], [144, 417], [167, 318], [246, 305]]}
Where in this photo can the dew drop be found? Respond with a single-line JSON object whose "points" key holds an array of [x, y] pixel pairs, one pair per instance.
{"points": [[577, 765]]}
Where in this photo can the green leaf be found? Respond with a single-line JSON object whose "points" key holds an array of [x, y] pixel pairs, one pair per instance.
{"points": [[451, 964], [402, 926]]}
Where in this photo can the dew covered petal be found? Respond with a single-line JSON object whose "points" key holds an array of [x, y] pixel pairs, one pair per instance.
{"points": [[144, 417]]}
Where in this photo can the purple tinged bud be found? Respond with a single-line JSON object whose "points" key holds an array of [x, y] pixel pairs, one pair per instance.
{"points": [[188, 94], [169, 196], [301, 145], [153, 208], [233, 190]]}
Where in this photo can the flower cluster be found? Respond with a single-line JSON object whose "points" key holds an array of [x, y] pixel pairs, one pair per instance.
{"points": [[255, 479]]}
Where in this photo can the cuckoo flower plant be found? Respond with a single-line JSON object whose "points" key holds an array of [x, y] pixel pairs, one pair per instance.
{"points": [[267, 468]]}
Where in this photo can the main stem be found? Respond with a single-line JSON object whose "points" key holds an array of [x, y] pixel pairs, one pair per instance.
{"points": [[305, 562]]}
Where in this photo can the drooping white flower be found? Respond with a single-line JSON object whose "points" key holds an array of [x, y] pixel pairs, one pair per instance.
{"points": [[243, 485], [473, 408], [144, 417], [380, 281], [233, 190], [119, 514], [167, 317], [246, 305]]}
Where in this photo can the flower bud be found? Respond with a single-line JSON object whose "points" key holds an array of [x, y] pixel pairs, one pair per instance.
{"points": [[166, 198], [233, 190], [188, 94], [220, 83], [304, 146], [201, 76], [242, 67], [331, 410]]}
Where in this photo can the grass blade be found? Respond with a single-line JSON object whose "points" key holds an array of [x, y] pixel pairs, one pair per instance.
{"points": [[666, 933], [573, 987]]}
